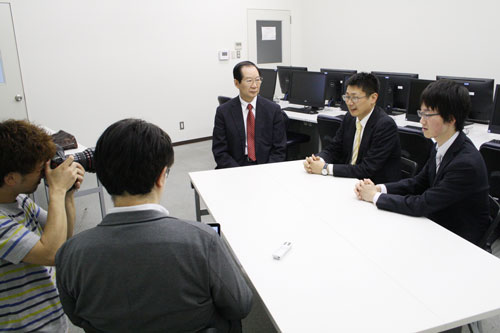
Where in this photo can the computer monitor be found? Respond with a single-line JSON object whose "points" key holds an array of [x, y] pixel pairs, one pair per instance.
{"points": [[334, 87], [284, 75], [308, 89], [268, 82], [481, 96], [495, 115], [395, 88], [417, 86]]}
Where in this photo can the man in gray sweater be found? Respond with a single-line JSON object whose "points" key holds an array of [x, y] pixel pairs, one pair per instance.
{"points": [[141, 270]]}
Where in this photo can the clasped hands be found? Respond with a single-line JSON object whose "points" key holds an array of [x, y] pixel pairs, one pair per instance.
{"points": [[313, 164], [365, 190]]}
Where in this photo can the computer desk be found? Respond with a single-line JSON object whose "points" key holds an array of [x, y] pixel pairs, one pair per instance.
{"points": [[478, 133], [352, 267]]}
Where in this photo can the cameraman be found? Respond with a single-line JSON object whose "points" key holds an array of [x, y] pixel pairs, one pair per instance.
{"points": [[30, 236]]}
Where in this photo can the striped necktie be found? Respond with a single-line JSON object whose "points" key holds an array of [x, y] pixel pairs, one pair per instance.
{"points": [[357, 141]]}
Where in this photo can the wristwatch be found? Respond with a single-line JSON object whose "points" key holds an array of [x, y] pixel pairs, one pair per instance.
{"points": [[324, 171]]}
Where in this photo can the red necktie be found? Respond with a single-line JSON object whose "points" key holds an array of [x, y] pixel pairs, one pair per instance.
{"points": [[251, 133]]}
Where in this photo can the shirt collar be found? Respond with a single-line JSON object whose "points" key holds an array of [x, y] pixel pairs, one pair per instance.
{"points": [[441, 150], [244, 104], [127, 209], [365, 119]]}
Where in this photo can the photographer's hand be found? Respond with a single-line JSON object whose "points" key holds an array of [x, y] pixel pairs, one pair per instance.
{"points": [[69, 203]]}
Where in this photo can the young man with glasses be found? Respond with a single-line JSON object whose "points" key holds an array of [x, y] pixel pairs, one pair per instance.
{"points": [[141, 270], [452, 188], [367, 143], [248, 129]]}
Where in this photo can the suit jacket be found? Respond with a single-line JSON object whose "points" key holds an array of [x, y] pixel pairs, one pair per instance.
{"points": [[379, 154], [143, 271], [456, 197], [228, 145]]}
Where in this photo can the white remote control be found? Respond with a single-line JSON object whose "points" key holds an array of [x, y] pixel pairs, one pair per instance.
{"points": [[280, 253]]}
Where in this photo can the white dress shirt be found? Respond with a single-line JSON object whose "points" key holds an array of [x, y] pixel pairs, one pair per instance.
{"points": [[135, 208], [244, 109]]}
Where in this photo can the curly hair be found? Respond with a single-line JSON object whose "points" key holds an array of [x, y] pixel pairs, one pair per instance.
{"points": [[22, 147]]}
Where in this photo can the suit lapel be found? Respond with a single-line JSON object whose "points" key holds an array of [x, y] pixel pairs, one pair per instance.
{"points": [[239, 124], [351, 132], [259, 120], [450, 154], [363, 146]]}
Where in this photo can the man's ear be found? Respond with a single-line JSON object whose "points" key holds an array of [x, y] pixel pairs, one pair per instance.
{"points": [[12, 178], [162, 178]]}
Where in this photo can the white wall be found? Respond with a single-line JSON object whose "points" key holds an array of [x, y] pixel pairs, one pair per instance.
{"points": [[86, 64], [447, 37]]}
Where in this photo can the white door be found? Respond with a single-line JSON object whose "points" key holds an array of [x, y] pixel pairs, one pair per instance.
{"points": [[12, 104], [268, 34]]}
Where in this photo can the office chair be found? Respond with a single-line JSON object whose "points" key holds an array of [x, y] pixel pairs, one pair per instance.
{"points": [[491, 233], [408, 168], [223, 99], [293, 139], [327, 128], [491, 155], [415, 146]]}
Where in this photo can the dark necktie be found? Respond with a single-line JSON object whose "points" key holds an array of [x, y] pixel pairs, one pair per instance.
{"points": [[251, 133]]}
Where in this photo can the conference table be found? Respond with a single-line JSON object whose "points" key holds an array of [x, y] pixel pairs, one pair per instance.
{"points": [[352, 267]]}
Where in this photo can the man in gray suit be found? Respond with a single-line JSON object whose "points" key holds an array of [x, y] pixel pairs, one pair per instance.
{"points": [[141, 270]]}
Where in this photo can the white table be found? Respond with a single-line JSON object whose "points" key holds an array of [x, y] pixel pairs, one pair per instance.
{"points": [[352, 267]]}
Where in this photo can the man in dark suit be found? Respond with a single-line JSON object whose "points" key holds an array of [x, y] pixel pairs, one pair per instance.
{"points": [[452, 188], [248, 129], [367, 143], [140, 269]]}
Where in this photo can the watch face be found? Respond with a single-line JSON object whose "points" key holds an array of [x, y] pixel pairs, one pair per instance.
{"points": [[324, 172]]}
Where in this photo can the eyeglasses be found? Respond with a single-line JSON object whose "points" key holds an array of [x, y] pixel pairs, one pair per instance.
{"points": [[426, 115], [168, 171], [353, 99], [257, 80]]}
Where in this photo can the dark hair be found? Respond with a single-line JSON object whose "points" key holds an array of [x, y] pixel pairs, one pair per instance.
{"points": [[237, 69], [365, 81], [130, 155], [22, 147], [448, 98]]}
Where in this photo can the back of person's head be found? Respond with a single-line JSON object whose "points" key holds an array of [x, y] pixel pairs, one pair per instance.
{"points": [[450, 99], [237, 69], [365, 81], [23, 146], [130, 156]]}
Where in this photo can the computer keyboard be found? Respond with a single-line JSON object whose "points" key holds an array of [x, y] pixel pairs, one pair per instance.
{"points": [[495, 141], [414, 127], [300, 110]]}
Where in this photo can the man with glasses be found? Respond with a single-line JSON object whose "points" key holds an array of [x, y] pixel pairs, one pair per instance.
{"points": [[141, 270], [248, 129], [452, 187], [367, 143]]}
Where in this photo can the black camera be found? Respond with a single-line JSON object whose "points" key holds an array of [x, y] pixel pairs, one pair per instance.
{"points": [[85, 158]]}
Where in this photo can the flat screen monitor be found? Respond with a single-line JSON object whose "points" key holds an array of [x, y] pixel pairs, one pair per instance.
{"points": [[334, 88], [396, 89], [268, 82], [481, 96], [308, 88], [417, 86], [495, 116], [284, 76]]}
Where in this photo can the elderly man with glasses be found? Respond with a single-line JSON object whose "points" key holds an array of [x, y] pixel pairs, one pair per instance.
{"points": [[452, 188], [249, 129], [367, 143]]}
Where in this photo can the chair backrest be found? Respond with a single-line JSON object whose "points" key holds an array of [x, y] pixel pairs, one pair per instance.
{"points": [[408, 168], [415, 146], [223, 99], [491, 233], [327, 128], [491, 155]]}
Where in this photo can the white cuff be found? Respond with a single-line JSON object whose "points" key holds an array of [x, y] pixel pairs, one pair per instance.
{"points": [[383, 189], [375, 197], [330, 169]]}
